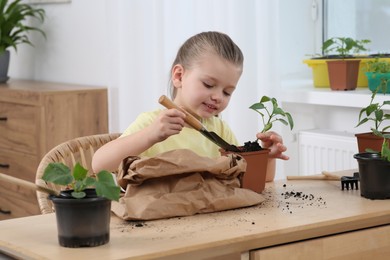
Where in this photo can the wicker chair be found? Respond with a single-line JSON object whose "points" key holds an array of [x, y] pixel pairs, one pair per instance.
{"points": [[76, 150]]}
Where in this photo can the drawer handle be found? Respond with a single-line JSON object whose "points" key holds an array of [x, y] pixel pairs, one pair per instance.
{"points": [[5, 212], [4, 165], [3, 118]]}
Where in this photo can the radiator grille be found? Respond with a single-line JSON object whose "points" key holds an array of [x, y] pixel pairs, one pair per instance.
{"points": [[328, 150]]}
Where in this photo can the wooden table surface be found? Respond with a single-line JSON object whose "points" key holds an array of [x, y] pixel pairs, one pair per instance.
{"points": [[292, 211]]}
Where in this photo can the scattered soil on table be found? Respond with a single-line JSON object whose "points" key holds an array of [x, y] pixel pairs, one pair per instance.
{"points": [[134, 224], [291, 199]]}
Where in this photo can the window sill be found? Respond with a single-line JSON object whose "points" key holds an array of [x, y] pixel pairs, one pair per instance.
{"points": [[303, 92]]}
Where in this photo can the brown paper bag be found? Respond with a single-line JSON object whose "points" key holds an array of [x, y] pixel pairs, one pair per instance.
{"points": [[181, 183]]}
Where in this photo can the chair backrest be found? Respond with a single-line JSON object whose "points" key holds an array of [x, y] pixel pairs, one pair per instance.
{"points": [[79, 150]]}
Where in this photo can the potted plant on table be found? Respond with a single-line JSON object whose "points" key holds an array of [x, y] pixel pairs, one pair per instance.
{"points": [[257, 171], [376, 113], [374, 170], [83, 210], [14, 29]]}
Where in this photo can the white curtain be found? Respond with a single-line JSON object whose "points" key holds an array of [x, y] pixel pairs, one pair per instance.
{"points": [[147, 33]]}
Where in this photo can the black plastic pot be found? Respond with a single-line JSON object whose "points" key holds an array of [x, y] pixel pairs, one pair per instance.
{"points": [[374, 173], [4, 64], [82, 222]]}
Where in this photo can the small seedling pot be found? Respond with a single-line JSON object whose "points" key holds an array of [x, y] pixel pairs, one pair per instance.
{"points": [[375, 80], [82, 222], [374, 174], [369, 140], [256, 169], [343, 74]]}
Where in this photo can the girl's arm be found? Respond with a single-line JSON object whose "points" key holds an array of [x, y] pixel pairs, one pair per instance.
{"points": [[109, 156]]}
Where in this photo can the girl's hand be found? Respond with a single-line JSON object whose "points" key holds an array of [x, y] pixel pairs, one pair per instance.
{"points": [[274, 142], [169, 122]]}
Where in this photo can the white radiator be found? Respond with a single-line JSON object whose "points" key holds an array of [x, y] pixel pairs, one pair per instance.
{"points": [[327, 150]]}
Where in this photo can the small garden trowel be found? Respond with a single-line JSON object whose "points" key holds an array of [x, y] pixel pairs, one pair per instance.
{"points": [[196, 124]]}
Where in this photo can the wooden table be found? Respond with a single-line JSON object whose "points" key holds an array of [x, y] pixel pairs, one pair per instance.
{"points": [[321, 219]]}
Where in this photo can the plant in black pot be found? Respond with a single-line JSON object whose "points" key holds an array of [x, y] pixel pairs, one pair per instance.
{"points": [[343, 68], [14, 29], [374, 151], [374, 170], [83, 210], [258, 169]]}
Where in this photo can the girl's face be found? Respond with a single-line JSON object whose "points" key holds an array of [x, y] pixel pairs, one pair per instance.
{"points": [[206, 87]]}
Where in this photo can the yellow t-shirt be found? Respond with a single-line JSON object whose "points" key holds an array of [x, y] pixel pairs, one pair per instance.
{"points": [[188, 138]]}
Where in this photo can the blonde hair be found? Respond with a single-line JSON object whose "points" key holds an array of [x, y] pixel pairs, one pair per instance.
{"points": [[216, 42]]}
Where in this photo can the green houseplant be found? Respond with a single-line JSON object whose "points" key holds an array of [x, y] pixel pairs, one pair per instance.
{"points": [[343, 73], [83, 210], [344, 47], [378, 75], [271, 114], [259, 170], [14, 29], [337, 49], [374, 170], [375, 113]]}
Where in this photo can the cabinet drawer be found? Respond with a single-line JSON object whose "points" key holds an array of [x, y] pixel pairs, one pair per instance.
{"points": [[370, 243], [19, 165], [16, 202], [19, 127]]}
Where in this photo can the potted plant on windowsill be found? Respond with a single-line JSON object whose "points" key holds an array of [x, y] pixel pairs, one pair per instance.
{"points": [[257, 171], [375, 112], [338, 50], [14, 29], [374, 170], [343, 73], [83, 210], [378, 75]]}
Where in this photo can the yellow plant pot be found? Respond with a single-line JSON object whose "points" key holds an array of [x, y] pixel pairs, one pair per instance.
{"points": [[320, 72]]}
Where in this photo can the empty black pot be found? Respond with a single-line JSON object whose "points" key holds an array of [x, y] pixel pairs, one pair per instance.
{"points": [[374, 173], [82, 222]]}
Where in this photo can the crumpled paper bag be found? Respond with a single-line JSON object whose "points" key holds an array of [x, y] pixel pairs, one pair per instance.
{"points": [[181, 183]]}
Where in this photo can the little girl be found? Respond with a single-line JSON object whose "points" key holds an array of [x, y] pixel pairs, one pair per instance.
{"points": [[204, 76]]}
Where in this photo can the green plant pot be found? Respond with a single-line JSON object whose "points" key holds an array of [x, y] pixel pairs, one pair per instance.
{"points": [[82, 222], [374, 174], [375, 79]]}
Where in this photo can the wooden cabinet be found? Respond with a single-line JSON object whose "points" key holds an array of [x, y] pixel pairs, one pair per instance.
{"points": [[371, 243], [34, 117]]}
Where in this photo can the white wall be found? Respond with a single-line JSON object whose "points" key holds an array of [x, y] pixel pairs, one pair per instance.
{"points": [[76, 49]]}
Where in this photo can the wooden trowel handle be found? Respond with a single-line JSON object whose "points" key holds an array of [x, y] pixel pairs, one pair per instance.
{"points": [[307, 177], [190, 119], [314, 177], [26, 184]]}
